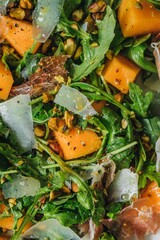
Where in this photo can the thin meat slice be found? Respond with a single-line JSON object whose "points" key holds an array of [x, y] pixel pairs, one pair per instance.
{"points": [[51, 72]]}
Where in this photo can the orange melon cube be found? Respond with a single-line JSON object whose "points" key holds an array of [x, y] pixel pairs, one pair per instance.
{"points": [[138, 18], [8, 222], [119, 72], [6, 81], [78, 143], [18, 34]]}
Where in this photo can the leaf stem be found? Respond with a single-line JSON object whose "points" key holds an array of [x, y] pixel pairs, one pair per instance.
{"points": [[29, 215], [40, 99], [74, 176], [121, 149], [8, 172]]}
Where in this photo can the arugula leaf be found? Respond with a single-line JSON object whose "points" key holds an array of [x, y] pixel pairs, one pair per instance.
{"points": [[136, 54], [112, 120], [114, 208], [106, 236], [152, 128], [118, 137], [41, 112], [28, 64], [140, 100], [124, 158], [142, 157], [68, 212], [93, 56], [148, 172], [99, 213]]}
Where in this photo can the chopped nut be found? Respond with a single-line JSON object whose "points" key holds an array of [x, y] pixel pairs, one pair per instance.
{"points": [[12, 202], [94, 44], [124, 123], [90, 24], [78, 53], [77, 15], [39, 131], [53, 195], [75, 187], [46, 46], [75, 26], [70, 46], [119, 96], [17, 13], [65, 189], [52, 124], [97, 16], [68, 119], [26, 4], [47, 98], [109, 54], [98, 6]]}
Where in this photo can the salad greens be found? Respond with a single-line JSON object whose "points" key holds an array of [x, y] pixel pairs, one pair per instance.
{"points": [[53, 176]]}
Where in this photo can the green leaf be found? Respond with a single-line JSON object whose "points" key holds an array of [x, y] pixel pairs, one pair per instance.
{"points": [[106, 236], [99, 213], [68, 212], [113, 209], [28, 64], [142, 157], [112, 120], [124, 158], [152, 128], [148, 172], [136, 54], [93, 56], [140, 100]]}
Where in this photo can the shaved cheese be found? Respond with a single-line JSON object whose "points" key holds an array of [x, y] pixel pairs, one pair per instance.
{"points": [[17, 114], [157, 149], [152, 236], [20, 186], [45, 18], [124, 186], [74, 101], [156, 53], [50, 229], [3, 5]]}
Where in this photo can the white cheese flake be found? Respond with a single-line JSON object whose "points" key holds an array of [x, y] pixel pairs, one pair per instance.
{"points": [[124, 186], [17, 114], [45, 18], [74, 101]]}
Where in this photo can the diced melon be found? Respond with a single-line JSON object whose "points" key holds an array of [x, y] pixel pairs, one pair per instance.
{"points": [[138, 18], [78, 143], [18, 34], [119, 72], [6, 81], [8, 222]]}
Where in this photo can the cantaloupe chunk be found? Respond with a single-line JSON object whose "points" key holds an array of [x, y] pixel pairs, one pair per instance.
{"points": [[6, 81], [120, 72], [138, 18], [78, 143], [8, 222], [98, 105], [18, 34]]}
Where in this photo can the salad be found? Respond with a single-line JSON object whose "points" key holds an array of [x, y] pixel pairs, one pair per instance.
{"points": [[79, 119]]}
